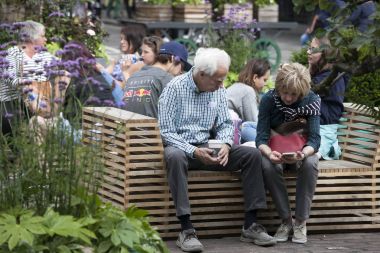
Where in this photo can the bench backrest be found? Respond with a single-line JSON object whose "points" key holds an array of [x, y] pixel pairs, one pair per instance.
{"points": [[359, 137]]}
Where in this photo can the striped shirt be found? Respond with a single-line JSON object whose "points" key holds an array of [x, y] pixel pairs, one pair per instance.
{"points": [[187, 115], [22, 67]]}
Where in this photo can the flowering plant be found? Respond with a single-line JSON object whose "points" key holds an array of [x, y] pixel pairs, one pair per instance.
{"points": [[193, 2], [235, 33]]}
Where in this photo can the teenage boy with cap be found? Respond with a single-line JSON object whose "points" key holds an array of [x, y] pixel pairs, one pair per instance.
{"points": [[190, 106], [144, 87]]}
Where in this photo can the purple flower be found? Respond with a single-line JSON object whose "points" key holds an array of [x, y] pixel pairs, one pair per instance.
{"points": [[120, 104], [40, 49], [43, 104], [62, 85], [56, 14], [3, 53], [93, 101], [8, 115], [108, 102], [58, 100], [17, 25], [26, 90], [26, 82]]}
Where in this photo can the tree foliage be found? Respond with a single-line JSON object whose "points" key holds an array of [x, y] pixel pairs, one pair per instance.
{"points": [[358, 51]]}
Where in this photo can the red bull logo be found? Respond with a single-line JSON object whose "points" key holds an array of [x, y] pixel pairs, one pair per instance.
{"points": [[142, 92]]}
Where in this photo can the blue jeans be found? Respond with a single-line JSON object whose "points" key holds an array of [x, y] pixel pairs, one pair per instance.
{"points": [[248, 131]]}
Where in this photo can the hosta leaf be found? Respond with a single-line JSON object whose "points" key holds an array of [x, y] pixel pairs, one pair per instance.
{"points": [[115, 239], [104, 246], [63, 249], [14, 239], [26, 236], [124, 250], [4, 235]]}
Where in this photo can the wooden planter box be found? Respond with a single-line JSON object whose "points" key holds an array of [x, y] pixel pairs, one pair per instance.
{"points": [[238, 12], [189, 13], [10, 13], [151, 13], [268, 13]]}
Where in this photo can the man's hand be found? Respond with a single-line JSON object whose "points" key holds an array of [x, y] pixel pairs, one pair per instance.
{"points": [[223, 155], [205, 156]]}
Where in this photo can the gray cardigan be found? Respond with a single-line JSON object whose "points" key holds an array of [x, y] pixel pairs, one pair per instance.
{"points": [[243, 100]]}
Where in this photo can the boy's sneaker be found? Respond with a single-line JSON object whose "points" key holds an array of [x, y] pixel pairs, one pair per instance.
{"points": [[257, 234], [299, 234], [188, 241], [283, 232]]}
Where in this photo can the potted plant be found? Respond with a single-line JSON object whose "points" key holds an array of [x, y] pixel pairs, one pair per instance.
{"points": [[12, 10], [239, 9], [154, 10], [191, 11]]}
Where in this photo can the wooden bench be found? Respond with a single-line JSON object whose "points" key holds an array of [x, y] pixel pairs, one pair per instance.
{"points": [[346, 198]]}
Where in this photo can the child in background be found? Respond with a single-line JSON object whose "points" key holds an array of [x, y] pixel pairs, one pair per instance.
{"points": [[243, 97], [150, 49]]}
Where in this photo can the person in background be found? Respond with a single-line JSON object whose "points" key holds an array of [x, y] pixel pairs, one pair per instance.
{"points": [[26, 64], [144, 87], [189, 107], [291, 100], [131, 37], [320, 54], [150, 49], [243, 97], [320, 20], [361, 16]]}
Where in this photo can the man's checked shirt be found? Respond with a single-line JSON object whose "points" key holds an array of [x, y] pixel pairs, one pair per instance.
{"points": [[187, 115]]}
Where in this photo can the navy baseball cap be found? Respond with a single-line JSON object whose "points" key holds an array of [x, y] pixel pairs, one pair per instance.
{"points": [[176, 49]]}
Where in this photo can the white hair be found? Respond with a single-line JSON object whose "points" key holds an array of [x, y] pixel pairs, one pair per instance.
{"points": [[209, 59], [31, 30]]}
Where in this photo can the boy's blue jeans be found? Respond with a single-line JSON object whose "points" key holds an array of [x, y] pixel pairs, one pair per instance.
{"points": [[248, 131]]}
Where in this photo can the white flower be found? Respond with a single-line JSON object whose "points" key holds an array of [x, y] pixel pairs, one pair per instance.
{"points": [[91, 32]]}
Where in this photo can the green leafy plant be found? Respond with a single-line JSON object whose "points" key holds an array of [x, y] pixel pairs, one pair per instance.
{"points": [[300, 56], [365, 90], [25, 232]]}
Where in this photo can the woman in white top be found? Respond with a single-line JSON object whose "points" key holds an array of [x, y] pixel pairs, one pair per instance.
{"points": [[26, 63], [243, 96]]}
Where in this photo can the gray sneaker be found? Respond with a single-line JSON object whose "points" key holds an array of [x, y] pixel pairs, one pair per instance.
{"points": [[299, 234], [257, 234], [283, 232], [188, 241]]}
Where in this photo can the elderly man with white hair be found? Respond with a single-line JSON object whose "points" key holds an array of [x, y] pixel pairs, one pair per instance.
{"points": [[190, 107]]}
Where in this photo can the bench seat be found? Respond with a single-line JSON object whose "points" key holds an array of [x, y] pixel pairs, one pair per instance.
{"points": [[347, 196]]}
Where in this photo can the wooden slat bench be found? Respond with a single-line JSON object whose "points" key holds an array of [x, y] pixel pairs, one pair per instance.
{"points": [[346, 198]]}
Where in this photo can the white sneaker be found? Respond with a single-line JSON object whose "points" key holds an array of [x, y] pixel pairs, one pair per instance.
{"points": [[188, 241], [283, 232], [299, 234], [257, 234]]}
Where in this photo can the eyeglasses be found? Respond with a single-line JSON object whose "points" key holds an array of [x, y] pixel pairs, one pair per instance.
{"points": [[314, 50]]}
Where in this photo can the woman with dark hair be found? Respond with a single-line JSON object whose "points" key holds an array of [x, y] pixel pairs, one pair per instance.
{"points": [[150, 49], [320, 54], [243, 97], [144, 87], [131, 37]]}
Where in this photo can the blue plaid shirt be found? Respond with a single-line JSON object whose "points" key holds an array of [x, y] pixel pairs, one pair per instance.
{"points": [[186, 115]]}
